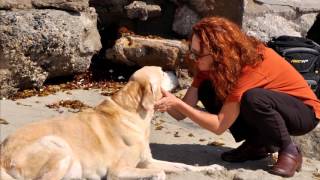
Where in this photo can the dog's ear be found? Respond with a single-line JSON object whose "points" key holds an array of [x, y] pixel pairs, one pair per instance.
{"points": [[148, 98]]}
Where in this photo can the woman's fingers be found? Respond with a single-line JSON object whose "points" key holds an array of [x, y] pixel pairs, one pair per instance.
{"points": [[161, 101], [161, 108], [161, 105]]}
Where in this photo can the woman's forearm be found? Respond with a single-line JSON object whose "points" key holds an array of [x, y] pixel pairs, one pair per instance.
{"points": [[204, 119], [176, 114]]}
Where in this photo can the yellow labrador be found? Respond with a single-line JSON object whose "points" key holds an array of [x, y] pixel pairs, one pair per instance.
{"points": [[111, 140]]}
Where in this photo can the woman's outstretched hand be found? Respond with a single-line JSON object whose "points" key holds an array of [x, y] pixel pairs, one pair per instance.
{"points": [[167, 102]]}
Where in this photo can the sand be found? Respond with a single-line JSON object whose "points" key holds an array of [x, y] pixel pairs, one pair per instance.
{"points": [[182, 141]]}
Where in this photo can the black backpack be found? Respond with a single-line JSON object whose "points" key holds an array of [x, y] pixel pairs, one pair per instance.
{"points": [[303, 54]]}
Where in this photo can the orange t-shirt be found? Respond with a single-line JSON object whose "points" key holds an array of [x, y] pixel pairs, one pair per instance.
{"points": [[274, 73]]}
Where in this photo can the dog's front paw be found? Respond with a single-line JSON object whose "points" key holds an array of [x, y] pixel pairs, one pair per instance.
{"points": [[159, 176], [211, 168]]}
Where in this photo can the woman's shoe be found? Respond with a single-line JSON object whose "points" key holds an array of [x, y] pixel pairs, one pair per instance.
{"points": [[287, 164], [244, 152]]}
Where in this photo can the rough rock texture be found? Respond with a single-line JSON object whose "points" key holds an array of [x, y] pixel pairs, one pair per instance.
{"points": [[266, 18], [183, 20], [310, 143], [40, 44], [188, 12], [69, 5], [260, 18], [142, 10], [232, 9], [142, 51]]}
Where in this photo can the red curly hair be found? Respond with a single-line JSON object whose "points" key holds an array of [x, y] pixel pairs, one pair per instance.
{"points": [[231, 50]]}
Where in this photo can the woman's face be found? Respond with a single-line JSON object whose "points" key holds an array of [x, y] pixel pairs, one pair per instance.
{"points": [[202, 60]]}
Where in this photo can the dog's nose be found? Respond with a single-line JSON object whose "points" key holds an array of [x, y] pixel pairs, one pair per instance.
{"points": [[170, 81]]}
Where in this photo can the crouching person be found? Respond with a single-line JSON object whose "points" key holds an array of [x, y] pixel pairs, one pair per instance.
{"points": [[248, 89]]}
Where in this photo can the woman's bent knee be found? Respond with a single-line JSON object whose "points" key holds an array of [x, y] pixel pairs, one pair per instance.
{"points": [[253, 97]]}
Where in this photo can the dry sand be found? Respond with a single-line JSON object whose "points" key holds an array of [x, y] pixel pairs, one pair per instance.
{"points": [[170, 140]]}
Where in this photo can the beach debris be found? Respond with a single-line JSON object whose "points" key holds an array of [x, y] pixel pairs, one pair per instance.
{"points": [[190, 135], [176, 134], [159, 127], [69, 93], [20, 104], [316, 174], [72, 104], [158, 124], [3, 121], [215, 143], [81, 81]]}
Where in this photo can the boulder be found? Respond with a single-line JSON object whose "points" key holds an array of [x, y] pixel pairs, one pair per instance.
{"points": [[144, 51], [39, 44], [142, 10], [183, 20], [189, 12], [264, 19], [69, 5], [309, 143]]}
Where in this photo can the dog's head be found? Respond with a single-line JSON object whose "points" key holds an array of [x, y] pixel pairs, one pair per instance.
{"points": [[152, 79]]}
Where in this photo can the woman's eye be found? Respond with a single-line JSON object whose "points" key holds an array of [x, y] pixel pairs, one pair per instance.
{"points": [[192, 56]]}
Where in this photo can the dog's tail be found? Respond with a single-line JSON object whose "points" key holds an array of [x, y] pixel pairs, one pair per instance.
{"points": [[4, 175]]}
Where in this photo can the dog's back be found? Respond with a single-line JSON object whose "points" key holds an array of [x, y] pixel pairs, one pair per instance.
{"points": [[87, 144], [90, 136]]}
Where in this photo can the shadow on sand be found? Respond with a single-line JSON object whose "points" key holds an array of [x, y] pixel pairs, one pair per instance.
{"points": [[196, 154]]}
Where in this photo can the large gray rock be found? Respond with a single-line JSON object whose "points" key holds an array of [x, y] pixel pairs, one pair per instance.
{"points": [[39, 44], [231, 9], [267, 18], [188, 12], [142, 10], [184, 20], [260, 18], [69, 5], [310, 143], [144, 51]]}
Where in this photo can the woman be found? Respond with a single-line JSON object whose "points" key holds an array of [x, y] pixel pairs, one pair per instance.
{"points": [[248, 89]]}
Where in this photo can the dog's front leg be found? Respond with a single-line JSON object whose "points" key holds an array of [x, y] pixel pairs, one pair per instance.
{"points": [[178, 167], [127, 173]]}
